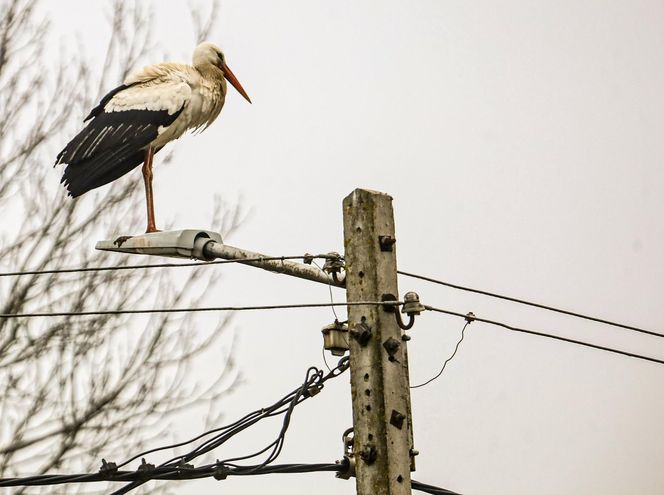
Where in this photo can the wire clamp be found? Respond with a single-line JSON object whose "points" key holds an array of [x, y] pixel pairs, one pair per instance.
{"points": [[108, 468], [313, 390], [220, 472], [470, 317], [333, 265], [348, 461], [145, 466], [145, 469]]}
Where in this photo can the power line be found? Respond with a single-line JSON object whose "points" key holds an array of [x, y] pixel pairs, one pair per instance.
{"points": [[547, 335], [305, 257], [433, 490], [162, 473], [196, 310], [313, 383], [533, 304], [182, 473], [456, 348], [178, 468]]}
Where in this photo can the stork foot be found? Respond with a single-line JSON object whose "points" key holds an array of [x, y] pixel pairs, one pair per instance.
{"points": [[121, 240]]}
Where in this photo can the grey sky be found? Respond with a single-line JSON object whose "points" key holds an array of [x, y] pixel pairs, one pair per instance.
{"points": [[522, 143]]}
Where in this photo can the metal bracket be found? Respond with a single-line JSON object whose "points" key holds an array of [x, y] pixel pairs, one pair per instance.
{"points": [[175, 243], [391, 346], [389, 308], [361, 332], [386, 242], [349, 456], [397, 419]]}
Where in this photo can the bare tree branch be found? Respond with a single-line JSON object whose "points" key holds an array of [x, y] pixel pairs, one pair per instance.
{"points": [[72, 388]]}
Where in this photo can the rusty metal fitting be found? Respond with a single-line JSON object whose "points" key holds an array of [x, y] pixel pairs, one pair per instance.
{"points": [[349, 456], [334, 263]]}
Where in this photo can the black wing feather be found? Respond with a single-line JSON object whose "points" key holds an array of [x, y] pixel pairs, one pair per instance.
{"points": [[99, 108], [111, 145]]}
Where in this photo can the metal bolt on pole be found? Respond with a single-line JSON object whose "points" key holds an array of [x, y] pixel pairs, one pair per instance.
{"points": [[378, 359]]}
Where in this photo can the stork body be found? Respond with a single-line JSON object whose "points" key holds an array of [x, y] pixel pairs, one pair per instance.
{"points": [[152, 107]]}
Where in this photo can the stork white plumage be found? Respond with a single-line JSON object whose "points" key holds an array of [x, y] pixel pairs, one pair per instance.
{"points": [[152, 107]]}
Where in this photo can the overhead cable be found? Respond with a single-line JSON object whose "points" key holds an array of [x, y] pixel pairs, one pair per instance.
{"points": [[433, 490], [313, 383], [207, 471], [533, 304], [195, 310], [547, 335], [305, 257], [456, 348], [160, 473]]}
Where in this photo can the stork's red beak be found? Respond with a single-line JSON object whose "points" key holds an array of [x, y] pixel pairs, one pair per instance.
{"points": [[230, 77]]}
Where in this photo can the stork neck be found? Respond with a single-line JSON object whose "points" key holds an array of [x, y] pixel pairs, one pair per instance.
{"points": [[210, 71]]}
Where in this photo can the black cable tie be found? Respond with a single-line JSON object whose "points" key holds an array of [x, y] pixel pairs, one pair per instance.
{"points": [[145, 470], [145, 466], [220, 472], [313, 390], [108, 468]]}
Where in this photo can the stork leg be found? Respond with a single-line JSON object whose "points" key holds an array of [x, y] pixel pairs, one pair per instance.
{"points": [[147, 179]]}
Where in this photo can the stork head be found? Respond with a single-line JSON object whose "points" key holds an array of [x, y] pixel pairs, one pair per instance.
{"points": [[209, 53]]}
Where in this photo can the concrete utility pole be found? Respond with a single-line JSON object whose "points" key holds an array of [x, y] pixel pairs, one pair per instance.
{"points": [[382, 426]]}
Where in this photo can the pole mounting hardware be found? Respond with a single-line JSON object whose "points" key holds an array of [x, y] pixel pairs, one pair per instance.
{"points": [[334, 263], [349, 455], [175, 243], [411, 307], [361, 332], [386, 243], [391, 346], [411, 304], [335, 338]]}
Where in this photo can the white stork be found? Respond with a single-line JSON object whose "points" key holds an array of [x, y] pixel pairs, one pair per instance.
{"points": [[153, 106]]}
